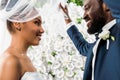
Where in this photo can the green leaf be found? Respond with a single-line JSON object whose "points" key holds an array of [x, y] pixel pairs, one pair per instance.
{"points": [[113, 38], [77, 2], [51, 73], [47, 32], [53, 53], [31, 47], [82, 68], [65, 69], [79, 20], [74, 74], [71, 53], [49, 63]]}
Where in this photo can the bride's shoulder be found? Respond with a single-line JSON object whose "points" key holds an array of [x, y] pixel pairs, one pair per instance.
{"points": [[9, 66], [9, 60]]}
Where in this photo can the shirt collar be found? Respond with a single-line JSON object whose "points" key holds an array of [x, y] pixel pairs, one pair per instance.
{"points": [[109, 25], [106, 27]]}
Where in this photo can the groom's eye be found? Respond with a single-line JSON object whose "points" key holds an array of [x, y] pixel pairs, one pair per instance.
{"points": [[86, 7]]}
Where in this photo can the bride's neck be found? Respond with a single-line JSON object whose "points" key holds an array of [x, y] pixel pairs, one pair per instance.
{"points": [[19, 45]]}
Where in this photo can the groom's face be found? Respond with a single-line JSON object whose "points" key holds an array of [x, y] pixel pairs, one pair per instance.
{"points": [[94, 15]]}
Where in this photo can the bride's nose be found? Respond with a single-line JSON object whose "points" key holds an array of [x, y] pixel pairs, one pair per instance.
{"points": [[41, 30]]}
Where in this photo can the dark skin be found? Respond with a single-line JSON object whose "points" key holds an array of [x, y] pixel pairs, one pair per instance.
{"points": [[96, 15]]}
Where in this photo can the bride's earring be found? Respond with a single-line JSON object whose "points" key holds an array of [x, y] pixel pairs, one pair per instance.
{"points": [[18, 28]]}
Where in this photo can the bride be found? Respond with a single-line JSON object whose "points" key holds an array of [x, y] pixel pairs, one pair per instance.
{"points": [[24, 24]]}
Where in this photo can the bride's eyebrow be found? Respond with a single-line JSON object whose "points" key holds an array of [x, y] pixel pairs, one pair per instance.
{"points": [[38, 19]]}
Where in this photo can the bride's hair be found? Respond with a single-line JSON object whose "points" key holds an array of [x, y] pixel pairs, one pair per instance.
{"points": [[10, 26]]}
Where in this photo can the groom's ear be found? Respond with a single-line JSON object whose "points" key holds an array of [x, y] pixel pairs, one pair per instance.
{"points": [[107, 12], [105, 8]]}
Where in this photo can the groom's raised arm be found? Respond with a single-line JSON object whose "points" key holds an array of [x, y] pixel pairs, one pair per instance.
{"points": [[80, 43]]}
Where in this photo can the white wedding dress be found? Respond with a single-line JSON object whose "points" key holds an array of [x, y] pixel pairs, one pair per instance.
{"points": [[31, 76]]}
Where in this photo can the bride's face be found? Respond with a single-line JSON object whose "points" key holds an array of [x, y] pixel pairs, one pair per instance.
{"points": [[32, 31]]}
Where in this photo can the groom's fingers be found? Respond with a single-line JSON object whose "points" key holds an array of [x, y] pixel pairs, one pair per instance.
{"points": [[64, 10]]}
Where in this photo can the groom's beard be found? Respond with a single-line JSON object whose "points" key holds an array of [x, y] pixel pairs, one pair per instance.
{"points": [[96, 25]]}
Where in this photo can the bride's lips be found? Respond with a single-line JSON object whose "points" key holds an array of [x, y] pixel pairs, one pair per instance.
{"points": [[39, 36]]}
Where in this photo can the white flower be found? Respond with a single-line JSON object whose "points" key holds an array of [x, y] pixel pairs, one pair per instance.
{"points": [[105, 34], [65, 59], [78, 64], [44, 77], [50, 58], [60, 74], [42, 69], [65, 78], [77, 77], [50, 77], [56, 65], [69, 73], [70, 66]]}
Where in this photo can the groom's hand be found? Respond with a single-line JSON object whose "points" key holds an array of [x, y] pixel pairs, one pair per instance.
{"points": [[66, 15]]}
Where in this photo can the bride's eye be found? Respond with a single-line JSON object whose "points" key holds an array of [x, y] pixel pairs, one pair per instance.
{"points": [[38, 22]]}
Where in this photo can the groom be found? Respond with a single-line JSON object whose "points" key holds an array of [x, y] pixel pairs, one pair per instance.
{"points": [[103, 56]]}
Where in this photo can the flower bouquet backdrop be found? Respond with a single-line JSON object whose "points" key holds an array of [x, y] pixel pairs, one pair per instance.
{"points": [[56, 58]]}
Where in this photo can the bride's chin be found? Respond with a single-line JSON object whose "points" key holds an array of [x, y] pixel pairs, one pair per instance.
{"points": [[35, 43]]}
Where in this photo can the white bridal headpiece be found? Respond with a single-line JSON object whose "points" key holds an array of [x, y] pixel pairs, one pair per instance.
{"points": [[19, 10]]}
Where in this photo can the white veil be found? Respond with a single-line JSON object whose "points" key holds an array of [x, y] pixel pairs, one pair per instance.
{"points": [[16, 11], [4, 37]]}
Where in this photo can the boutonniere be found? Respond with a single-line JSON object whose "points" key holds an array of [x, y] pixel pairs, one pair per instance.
{"points": [[105, 34]]}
